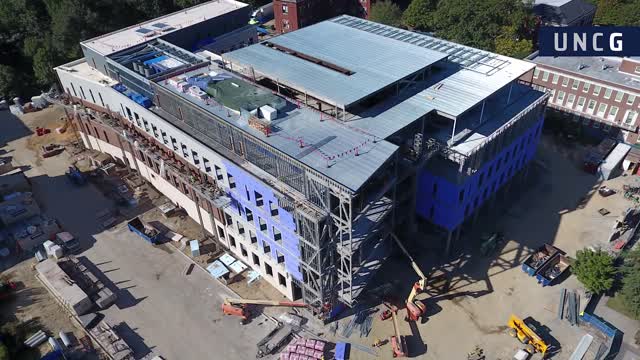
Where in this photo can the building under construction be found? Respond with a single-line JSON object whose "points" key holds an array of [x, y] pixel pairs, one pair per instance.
{"points": [[302, 153]]}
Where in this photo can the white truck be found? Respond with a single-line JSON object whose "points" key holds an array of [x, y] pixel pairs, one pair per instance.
{"points": [[69, 243]]}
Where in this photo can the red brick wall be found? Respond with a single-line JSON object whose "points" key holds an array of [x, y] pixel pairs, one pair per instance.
{"points": [[307, 12], [629, 66], [291, 17], [622, 105]]}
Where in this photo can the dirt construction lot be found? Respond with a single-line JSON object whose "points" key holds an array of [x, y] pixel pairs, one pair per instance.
{"points": [[159, 310], [559, 206]]}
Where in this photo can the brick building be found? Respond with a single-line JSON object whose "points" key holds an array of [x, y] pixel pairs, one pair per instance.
{"points": [[295, 14], [602, 95]]}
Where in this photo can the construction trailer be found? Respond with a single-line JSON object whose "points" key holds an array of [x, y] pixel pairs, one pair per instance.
{"points": [[303, 167]]}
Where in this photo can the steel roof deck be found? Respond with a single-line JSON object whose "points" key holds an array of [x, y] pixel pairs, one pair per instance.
{"points": [[343, 153], [376, 62]]}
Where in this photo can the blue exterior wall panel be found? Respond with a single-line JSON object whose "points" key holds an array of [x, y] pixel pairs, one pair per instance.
{"points": [[440, 201], [288, 246]]}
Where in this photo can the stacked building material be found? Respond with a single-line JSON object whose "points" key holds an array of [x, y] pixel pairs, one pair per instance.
{"points": [[303, 349], [115, 346], [64, 288]]}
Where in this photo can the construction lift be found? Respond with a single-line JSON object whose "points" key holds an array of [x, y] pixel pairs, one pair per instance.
{"points": [[416, 308], [518, 329], [398, 342], [240, 307]]}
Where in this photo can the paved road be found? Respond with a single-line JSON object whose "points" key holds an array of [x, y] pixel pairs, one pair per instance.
{"points": [[167, 313]]}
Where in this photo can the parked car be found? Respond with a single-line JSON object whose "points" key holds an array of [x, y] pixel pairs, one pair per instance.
{"points": [[606, 191]]}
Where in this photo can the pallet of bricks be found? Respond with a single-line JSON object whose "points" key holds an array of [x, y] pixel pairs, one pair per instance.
{"points": [[303, 349]]}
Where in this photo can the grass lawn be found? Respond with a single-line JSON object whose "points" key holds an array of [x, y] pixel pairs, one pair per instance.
{"points": [[615, 303]]}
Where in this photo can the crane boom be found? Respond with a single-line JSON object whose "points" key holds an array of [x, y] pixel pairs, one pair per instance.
{"points": [[415, 266], [415, 308]]}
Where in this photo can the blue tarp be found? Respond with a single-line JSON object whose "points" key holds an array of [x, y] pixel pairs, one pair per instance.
{"points": [[262, 30], [142, 100], [342, 351], [54, 355], [120, 88], [155, 60]]}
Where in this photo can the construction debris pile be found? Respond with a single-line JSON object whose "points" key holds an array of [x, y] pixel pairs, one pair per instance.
{"points": [[115, 346], [304, 349], [632, 193], [363, 321], [623, 231]]}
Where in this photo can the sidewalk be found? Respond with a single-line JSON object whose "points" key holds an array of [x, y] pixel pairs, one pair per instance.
{"points": [[629, 350]]}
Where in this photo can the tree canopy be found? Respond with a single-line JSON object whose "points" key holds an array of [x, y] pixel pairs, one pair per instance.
{"points": [[617, 12], [36, 35], [504, 26], [419, 14], [386, 12], [594, 270], [631, 282]]}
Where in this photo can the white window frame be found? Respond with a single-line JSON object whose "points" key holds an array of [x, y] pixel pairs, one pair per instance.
{"points": [[560, 98], [596, 90], [631, 99], [565, 81], [619, 96], [607, 93], [555, 79], [630, 117], [589, 108], [536, 73], [545, 76], [571, 99], [582, 100], [637, 69], [586, 87], [613, 112], [576, 84], [602, 111]]}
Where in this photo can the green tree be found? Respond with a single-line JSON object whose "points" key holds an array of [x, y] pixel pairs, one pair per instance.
{"points": [[618, 12], [4, 352], [509, 43], [480, 23], [386, 12], [594, 270], [631, 282], [419, 14], [7, 81]]}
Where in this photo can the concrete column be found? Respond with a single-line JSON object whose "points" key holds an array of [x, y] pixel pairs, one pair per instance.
{"points": [[135, 160], [194, 198]]}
